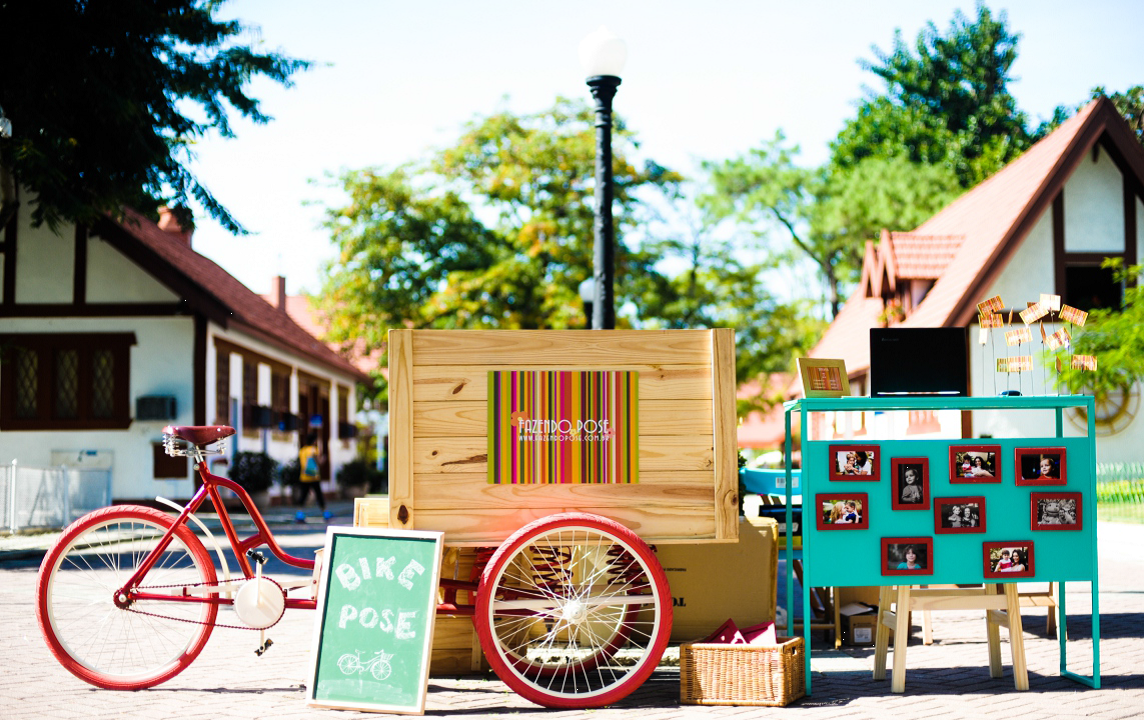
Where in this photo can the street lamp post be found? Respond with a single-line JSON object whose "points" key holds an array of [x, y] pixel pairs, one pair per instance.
{"points": [[603, 55]]}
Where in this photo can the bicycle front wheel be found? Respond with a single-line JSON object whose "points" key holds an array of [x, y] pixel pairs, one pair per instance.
{"points": [[585, 635], [124, 646]]}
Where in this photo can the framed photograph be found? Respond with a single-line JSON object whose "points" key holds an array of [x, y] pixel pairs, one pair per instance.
{"points": [[1040, 466], [974, 464], [1056, 511], [842, 511], [823, 378], [1005, 560], [854, 462], [907, 556], [910, 487], [959, 515]]}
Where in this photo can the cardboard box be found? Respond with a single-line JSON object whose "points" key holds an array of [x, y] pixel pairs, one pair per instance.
{"points": [[713, 582], [860, 629]]}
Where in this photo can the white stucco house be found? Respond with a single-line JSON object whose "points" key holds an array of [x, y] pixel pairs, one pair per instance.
{"points": [[109, 333], [1042, 224]]}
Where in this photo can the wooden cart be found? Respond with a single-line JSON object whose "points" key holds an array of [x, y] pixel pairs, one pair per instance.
{"points": [[570, 604]]}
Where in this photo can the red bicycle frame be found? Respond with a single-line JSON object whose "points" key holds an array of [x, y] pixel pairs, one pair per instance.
{"points": [[263, 536]]}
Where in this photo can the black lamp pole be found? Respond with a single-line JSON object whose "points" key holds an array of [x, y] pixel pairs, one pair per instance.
{"points": [[604, 248]]}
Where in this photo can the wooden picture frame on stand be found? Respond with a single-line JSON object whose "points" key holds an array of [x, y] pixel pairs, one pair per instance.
{"points": [[823, 378]]}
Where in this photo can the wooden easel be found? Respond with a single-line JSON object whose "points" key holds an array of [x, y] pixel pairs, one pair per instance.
{"points": [[1002, 607]]}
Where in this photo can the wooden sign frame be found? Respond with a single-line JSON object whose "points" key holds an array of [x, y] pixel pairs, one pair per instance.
{"points": [[387, 576]]}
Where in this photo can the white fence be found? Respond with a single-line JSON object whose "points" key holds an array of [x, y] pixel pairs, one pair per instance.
{"points": [[49, 498]]}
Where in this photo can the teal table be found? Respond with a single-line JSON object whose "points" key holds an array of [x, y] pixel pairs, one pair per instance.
{"points": [[854, 557]]}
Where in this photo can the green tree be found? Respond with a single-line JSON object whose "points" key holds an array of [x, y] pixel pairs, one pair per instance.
{"points": [[827, 213], [494, 231], [714, 284], [1129, 103], [946, 101], [108, 98], [1115, 337]]}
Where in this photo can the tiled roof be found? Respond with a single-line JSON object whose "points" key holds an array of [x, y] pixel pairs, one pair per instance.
{"points": [[243, 308], [923, 257], [302, 311]]}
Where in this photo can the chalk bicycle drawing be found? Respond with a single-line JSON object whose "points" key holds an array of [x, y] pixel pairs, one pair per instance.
{"points": [[378, 665]]}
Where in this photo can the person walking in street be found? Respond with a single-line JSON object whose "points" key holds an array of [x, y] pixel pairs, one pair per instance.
{"points": [[310, 458]]}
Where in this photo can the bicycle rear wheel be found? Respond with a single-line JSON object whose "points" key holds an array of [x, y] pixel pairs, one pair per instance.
{"points": [[133, 647], [585, 636]]}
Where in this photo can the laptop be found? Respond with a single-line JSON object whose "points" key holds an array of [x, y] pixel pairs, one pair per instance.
{"points": [[918, 361]]}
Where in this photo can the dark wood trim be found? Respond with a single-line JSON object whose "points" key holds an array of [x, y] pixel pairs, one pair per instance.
{"points": [[1129, 221], [200, 370], [201, 299], [10, 235], [35, 310], [318, 358], [1059, 243], [79, 272], [1089, 258], [226, 345]]}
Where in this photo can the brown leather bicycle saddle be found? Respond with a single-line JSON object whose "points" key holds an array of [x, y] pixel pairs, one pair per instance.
{"points": [[199, 434]]}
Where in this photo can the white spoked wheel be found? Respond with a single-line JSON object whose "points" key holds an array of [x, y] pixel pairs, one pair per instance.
{"points": [[573, 611], [117, 643]]}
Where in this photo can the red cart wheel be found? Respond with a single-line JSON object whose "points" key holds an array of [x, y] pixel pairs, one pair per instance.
{"points": [[573, 611]]}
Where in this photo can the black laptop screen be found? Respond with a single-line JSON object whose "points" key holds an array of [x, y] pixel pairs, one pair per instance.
{"points": [[918, 361]]}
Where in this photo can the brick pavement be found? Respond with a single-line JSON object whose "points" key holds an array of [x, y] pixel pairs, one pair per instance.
{"points": [[947, 680]]}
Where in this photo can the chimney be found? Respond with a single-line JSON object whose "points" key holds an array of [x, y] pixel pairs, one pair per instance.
{"points": [[169, 224], [278, 292]]}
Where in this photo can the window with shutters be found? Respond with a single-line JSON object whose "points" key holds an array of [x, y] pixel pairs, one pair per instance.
{"points": [[65, 381]]}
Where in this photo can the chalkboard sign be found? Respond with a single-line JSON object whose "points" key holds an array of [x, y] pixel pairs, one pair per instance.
{"points": [[373, 632]]}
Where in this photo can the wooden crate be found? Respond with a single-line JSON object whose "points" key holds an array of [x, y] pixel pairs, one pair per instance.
{"points": [[688, 476]]}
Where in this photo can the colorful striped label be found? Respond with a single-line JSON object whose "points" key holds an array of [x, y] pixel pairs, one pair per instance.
{"points": [[563, 426]]}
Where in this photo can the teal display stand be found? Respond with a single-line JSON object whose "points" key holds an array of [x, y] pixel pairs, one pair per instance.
{"points": [[853, 557]]}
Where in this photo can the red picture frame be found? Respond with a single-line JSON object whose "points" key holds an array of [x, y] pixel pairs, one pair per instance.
{"points": [[960, 473], [943, 522], [824, 521], [898, 484], [892, 555], [1043, 517], [993, 551], [837, 461], [1028, 464]]}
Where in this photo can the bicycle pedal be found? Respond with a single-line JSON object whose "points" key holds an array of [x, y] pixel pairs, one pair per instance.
{"points": [[265, 646]]}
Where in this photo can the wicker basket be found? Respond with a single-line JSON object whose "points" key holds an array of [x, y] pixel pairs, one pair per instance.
{"points": [[771, 675]]}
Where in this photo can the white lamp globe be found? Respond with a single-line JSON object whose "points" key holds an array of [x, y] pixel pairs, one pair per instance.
{"points": [[602, 53]]}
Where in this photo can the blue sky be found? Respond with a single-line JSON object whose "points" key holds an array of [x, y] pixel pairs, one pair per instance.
{"points": [[703, 81]]}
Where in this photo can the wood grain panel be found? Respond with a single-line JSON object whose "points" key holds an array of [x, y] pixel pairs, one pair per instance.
{"points": [[444, 492], [603, 349], [698, 478], [726, 434], [465, 382], [470, 454], [470, 418], [484, 526], [401, 429]]}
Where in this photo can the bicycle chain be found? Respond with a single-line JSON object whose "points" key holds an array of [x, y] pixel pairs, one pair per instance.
{"points": [[200, 622]]}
